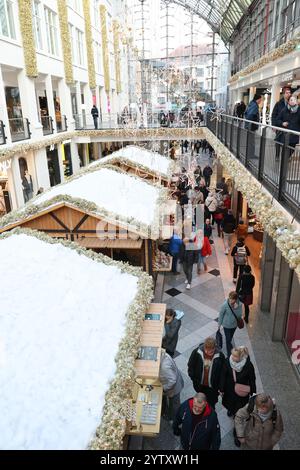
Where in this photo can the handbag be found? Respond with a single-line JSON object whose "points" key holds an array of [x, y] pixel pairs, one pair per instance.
{"points": [[240, 321], [219, 339], [241, 296], [240, 389]]}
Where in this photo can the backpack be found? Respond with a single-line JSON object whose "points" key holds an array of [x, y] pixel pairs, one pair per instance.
{"points": [[250, 409], [240, 256]]}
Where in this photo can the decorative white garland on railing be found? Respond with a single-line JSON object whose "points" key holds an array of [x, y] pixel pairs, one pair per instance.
{"points": [[274, 221]]}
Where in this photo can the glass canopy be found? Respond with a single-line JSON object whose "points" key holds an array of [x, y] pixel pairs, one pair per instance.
{"points": [[222, 15]]}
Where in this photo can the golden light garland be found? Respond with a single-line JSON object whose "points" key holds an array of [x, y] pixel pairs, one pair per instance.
{"points": [[89, 44], [65, 40], [105, 52], [111, 431], [117, 55], [273, 219], [160, 133], [281, 51], [26, 27]]}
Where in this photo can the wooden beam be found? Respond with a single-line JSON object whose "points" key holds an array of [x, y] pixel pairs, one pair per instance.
{"points": [[60, 222]]}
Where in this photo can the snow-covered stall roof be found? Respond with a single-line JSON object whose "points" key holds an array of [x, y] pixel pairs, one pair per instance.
{"points": [[146, 159], [65, 316], [105, 191]]}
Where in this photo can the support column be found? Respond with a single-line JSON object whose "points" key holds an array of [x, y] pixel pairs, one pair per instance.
{"points": [[49, 94], [65, 103], [41, 169], [79, 103], [275, 95], [252, 93], [28, 101], [88, 101], [3, 108], [60, 152], [75, 157], [18, 197], [267, 272], [280, 296]]}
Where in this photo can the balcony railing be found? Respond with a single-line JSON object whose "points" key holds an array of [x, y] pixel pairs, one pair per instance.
{"points": [[47, 123], [271, 154], [2, 133], [138, 121], [19, 129], [61, 126]]}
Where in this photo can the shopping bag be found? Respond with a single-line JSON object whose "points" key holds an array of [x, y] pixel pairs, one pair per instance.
{"points": [[219, 339]]}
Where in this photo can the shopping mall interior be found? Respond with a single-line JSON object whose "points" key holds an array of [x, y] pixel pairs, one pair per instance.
{"points": [[150, 225]]}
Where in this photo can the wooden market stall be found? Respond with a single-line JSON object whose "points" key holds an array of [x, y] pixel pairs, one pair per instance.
{"points": [[71, 323], [103, 209], [141, 162], [145, 407]]}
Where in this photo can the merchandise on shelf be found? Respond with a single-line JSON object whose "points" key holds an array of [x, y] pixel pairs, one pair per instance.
{"points": [[162, 261]]}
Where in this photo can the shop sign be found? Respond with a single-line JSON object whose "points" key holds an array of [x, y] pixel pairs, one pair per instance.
{"points": [[5, 165], [287, 77]]}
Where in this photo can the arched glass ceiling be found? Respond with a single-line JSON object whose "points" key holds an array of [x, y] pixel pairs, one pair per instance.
{"points": [[222, 15]]}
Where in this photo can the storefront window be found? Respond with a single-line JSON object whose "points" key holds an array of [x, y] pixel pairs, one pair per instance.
{"points": [[292, 335], [53, 165]]}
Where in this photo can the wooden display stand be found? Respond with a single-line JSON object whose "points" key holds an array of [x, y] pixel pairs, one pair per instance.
{"points": [[147, 392]]}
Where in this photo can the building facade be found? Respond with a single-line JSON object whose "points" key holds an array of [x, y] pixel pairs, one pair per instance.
{"points": [[57, 59]]}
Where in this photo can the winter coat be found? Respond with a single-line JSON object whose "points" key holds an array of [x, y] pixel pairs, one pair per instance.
{"points": [[196, 371], [294, 125], [211, 202], [170, 376], [94, 112], [169, 341], [175, 244], [279, 106], [252, 114], [226, 317], [206, 434], [206, 247], [223, 187], [238, 245], [229, 223], [207, 171], [247, 283], [188, 256], [231, 401], [259, 435], [207, 231]]}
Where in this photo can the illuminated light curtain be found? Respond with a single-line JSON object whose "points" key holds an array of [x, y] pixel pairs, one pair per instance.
{"points": [[117, 56], [105, 51], [26, 27], [65, 40], [89, 44]]}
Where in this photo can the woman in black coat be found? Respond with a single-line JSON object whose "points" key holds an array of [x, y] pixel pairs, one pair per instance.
{"points": [[244, 288], [289, 119], [238, 369]]}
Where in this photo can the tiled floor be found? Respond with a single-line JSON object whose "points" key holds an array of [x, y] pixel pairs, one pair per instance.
{"points": [[201, 304]]}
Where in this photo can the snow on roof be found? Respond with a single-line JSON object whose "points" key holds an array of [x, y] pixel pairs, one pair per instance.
{"points": [[60, 330], [152, 161]]}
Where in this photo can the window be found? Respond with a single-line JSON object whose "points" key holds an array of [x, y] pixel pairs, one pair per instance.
{"points": [[75, 5], [71, 32], [7, 27], [51, 29], [37, 29], [98, 57], [79, 44]]}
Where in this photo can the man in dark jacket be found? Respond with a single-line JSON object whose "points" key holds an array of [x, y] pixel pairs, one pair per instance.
{"points": [[197, 425], [281, 104], [228, 226], [289, 119], [205, 369], [188, 256], [207, 172], [252, 113], [240, 253], [223, 186], [95, 114], [240, 109], [207, 228]]}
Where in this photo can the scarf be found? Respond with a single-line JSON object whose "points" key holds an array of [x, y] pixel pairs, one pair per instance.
{"points": [[264, 417], [293, 109], [237, 366]]}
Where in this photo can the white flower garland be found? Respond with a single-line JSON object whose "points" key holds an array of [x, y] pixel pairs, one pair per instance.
{"points": [[111, 431], [274, 221]]}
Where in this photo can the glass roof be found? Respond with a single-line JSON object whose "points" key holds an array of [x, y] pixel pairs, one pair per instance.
{"points": [[222, 15]]}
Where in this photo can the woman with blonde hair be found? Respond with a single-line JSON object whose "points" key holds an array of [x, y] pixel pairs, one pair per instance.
{"points": [[237, 381]]}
